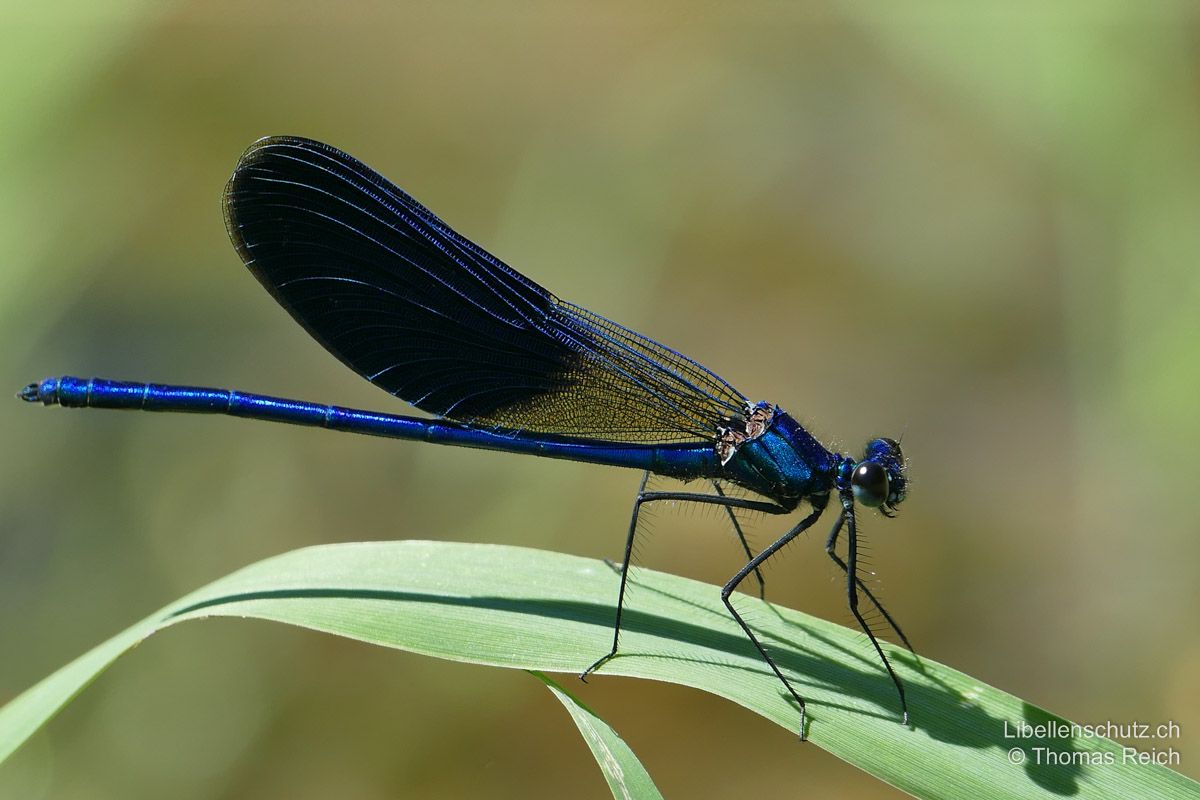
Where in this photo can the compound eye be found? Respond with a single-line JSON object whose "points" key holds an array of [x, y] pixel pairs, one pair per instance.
{"points": [[870, 484]]}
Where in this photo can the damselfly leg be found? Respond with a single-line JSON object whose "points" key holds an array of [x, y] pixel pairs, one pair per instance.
{"points": [[818, 504], [644, 497], [853, 584], [830, 546], [737, 529]]}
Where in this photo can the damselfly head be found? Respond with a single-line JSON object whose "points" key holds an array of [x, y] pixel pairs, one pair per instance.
{"points": [[878, 481]]}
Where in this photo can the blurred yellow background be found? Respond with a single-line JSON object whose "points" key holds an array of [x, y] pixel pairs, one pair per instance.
{"points": [[978, 228]]}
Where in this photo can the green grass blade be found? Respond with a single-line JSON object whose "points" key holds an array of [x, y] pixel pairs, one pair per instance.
{"points": [[535, 610], [626, 776]]}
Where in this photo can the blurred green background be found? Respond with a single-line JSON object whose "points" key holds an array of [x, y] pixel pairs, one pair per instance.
{"points": [[976, 227]]}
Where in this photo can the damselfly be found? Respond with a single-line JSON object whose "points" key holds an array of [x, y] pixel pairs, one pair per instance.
{"points": [[432, 318]]}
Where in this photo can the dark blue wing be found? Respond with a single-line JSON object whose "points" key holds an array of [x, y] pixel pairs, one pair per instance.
{"points": [[430, 317]]}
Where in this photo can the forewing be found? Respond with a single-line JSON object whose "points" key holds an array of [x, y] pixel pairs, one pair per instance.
{"points": [[432, 318]]}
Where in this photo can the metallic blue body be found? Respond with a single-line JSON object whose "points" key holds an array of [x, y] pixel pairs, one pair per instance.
{"points": [[785, 464], [684, 461]]}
